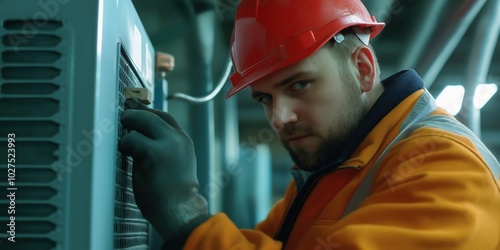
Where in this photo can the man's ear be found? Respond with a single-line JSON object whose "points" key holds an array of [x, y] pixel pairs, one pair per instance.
{"points": [[364, 60]]}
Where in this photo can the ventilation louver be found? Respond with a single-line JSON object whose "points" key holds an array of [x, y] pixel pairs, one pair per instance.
{"points": [[30, 82]]}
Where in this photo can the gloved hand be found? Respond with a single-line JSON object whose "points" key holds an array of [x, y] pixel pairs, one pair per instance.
{"points": [[164, 172]]}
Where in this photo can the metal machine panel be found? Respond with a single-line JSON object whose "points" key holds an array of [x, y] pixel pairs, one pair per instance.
{"points": [[63, 68]]}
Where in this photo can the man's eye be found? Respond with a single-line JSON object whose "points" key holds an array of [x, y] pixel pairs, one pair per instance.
{"points": [[264, 99], [299, 85]]}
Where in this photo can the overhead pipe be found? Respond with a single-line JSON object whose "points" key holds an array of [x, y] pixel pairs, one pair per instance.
{"points": [[422, 32], [483, 47], [448, 36]]}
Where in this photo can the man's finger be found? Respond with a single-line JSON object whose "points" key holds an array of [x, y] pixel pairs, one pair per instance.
{"points": [[146, 123], [135, 144]]}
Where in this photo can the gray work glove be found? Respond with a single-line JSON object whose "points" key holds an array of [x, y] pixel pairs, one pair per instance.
{"points": [[164, 172]]}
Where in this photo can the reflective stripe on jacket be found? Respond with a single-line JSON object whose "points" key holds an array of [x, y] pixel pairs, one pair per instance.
{"points": [[417, 180]]}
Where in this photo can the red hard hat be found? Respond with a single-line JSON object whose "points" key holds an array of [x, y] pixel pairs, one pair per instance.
{"points": [[272, 34]]}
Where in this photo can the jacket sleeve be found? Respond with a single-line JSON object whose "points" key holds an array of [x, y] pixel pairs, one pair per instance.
{"points": [[219, 232], [434, 191]]}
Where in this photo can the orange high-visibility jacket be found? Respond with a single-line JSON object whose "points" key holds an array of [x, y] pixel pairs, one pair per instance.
{"points": [[414, 178]]}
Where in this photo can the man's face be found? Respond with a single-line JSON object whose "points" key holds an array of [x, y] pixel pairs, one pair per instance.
{"points": [[313, 105]]}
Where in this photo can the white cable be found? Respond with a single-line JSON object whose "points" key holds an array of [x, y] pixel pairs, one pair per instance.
{"points": [[210, 96]]}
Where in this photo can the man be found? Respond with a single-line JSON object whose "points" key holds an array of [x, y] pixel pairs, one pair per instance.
{"points": [[378, 165]]}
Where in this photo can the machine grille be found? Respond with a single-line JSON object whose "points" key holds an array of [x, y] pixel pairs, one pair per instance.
{"points": [[31, 78], [131, 229], [33, 82]]}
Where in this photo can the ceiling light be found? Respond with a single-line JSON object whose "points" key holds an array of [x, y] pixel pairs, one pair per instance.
{"points": [[483, 94], [451, 98]]}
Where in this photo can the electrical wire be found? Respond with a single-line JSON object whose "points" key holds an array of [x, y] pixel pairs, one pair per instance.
{"points": [[192, 99]]}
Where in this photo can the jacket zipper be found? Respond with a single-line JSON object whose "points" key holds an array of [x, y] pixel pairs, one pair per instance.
{"points": [[298, 202]]}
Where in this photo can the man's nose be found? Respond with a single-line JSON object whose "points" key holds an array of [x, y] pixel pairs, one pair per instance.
{"points": [[283, 113]]}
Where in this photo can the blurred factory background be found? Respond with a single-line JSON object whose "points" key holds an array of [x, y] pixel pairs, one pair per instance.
{"points": [[446, 42]]}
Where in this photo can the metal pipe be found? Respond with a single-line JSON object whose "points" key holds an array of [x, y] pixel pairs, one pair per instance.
{"points": [[423, 30], [164, 63], [449, 34], [200, 43], [485, 41], [229, 130]]}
